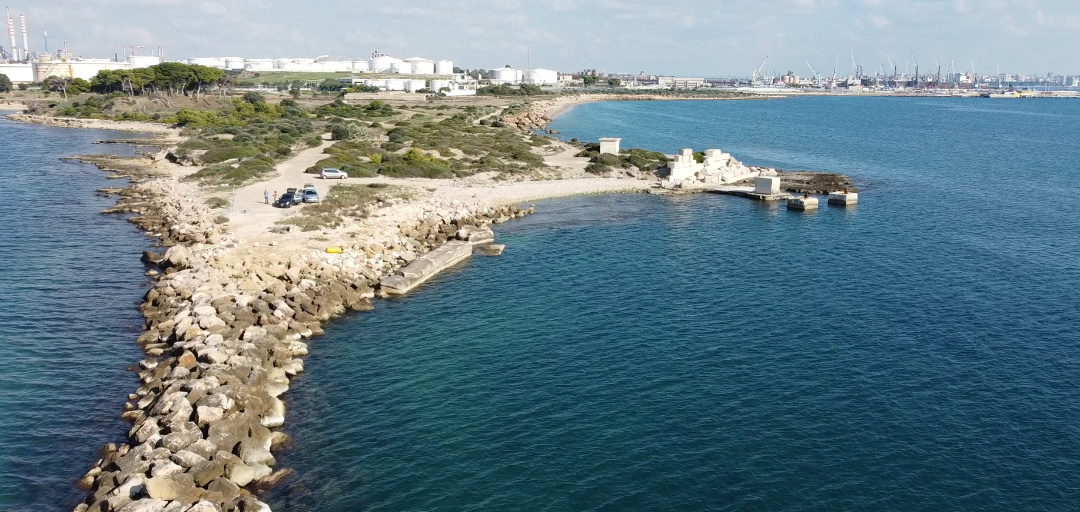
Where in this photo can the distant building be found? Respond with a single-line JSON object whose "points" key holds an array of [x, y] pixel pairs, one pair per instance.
{"points": [[671, 82]]}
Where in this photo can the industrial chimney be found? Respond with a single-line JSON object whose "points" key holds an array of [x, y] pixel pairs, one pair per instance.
{"points": [[25, 41], [11, 33]]}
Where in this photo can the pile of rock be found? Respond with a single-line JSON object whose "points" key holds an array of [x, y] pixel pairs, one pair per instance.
{"points": [[225, 329]]}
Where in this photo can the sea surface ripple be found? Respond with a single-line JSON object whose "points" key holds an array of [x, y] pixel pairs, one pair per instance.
{"points": [[916, 352]]}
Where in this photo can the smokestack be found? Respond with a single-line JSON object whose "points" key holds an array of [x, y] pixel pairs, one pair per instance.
{"points": [[11, 33], [25, 41], [46, 34]]}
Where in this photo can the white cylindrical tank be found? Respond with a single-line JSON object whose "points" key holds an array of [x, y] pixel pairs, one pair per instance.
{"points": [[258, 65], [415, 85], [439, 85], [395, 85], [421, 66], [361, 66], [212, 62], [508, 75], [444, 67], [143, 61], [401, 68], [542, 77], [282, 63], [381, 64], [234, 63]]}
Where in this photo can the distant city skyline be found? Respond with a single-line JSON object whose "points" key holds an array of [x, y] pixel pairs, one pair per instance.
{"points": [[674, 37]]}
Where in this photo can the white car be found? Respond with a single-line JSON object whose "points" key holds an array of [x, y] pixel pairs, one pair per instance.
{"points": [[329, 174]]}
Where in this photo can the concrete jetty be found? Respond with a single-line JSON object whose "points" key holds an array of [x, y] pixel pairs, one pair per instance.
{"points": [[802, 203], [426, 267], [843, 198]]}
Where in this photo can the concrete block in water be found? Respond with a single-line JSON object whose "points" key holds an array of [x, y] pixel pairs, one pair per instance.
{"points": [[767, 185], [802, 203], [843, 198], [425, 267]]}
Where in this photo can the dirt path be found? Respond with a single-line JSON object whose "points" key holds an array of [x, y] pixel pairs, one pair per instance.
{"points": [[251, 217]]}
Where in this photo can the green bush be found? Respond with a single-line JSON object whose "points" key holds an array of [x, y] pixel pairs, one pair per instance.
{"points": [[228, 152], [595, 168]]}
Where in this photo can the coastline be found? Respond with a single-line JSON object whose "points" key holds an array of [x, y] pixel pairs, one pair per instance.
{"points": [[227, 319]]}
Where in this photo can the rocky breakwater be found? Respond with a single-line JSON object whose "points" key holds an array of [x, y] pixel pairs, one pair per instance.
{"points": [[226, 329]]}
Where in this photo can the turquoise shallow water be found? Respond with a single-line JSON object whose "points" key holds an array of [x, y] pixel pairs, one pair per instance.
{"points": [[70, 283], [918, 352]]}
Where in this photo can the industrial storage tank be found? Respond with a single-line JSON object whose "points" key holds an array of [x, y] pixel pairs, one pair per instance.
{"points": [[382, 63], [282, 64], [361, 66], [542, 77], [439, 85], [143, 61], [212, 62], [258, 65], [415, 85], [421, 66], [234, 63], [395, 85], [401, 68], [444, 67], [507, 75]]}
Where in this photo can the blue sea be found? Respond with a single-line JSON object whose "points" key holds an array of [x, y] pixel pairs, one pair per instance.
{"points": [[70, 285], [920, 351]]}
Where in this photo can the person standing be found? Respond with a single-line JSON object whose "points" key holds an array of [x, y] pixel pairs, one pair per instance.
{"points": [[266, 196], [275, 196]]}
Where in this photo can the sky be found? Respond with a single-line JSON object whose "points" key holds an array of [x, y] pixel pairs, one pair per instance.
{"points": [[669, 37]]}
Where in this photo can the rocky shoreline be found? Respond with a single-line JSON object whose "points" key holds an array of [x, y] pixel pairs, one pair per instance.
{"points": [[226, 325]]}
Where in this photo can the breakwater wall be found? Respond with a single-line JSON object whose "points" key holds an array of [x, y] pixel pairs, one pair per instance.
{"points": [[227, 327]]}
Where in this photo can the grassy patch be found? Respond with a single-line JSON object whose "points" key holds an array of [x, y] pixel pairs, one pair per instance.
{"points": [[346, 202], [234, 175]]}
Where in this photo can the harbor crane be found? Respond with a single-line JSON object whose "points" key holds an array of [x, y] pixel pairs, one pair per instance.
{"points": [[817, 77], [893, 66], [760, 71], [835, 65]]}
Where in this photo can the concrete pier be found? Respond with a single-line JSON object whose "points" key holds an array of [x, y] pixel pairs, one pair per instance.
{"points": [[802, 203], [843, 198], [426, 267]]}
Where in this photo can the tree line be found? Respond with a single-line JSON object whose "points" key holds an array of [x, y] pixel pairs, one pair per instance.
{"points": [[168, 78]]}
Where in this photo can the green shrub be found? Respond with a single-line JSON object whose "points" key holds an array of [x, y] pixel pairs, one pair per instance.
{"points": [[595, 168], [228, 152]]}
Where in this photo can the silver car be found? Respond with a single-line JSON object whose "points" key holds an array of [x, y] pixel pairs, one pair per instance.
{"points": [[311, 196], [330, 173]]}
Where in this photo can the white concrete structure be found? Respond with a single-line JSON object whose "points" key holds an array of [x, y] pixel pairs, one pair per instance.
{"points": [[444, 67], [421, 66], [542, 77], [609, 146], [393, 84], [767, 185], [415, 85], [843, 198], [19, 73], [716, 168], [802, 203]]}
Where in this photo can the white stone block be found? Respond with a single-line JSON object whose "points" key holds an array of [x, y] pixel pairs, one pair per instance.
{"points": [[767, 185], [843, 198]]}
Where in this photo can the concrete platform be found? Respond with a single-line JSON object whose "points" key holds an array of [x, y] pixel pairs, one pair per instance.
{"points": [[802, 203], [843, 198], [426, 267]]}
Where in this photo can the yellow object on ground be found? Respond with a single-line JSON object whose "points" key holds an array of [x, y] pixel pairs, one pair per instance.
{"points": [[333, 250]]}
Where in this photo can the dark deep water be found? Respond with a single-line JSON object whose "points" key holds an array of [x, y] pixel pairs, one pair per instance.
{"points": [[70, 284], [917, 352]]}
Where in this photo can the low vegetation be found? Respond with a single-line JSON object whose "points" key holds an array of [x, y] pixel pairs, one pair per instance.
{"points": [[345, 203], [634, 158]]}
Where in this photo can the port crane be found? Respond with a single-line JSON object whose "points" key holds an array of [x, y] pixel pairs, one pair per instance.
{"points": [[835, 65], [760, 71], [817, 77], [893, 66]]}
